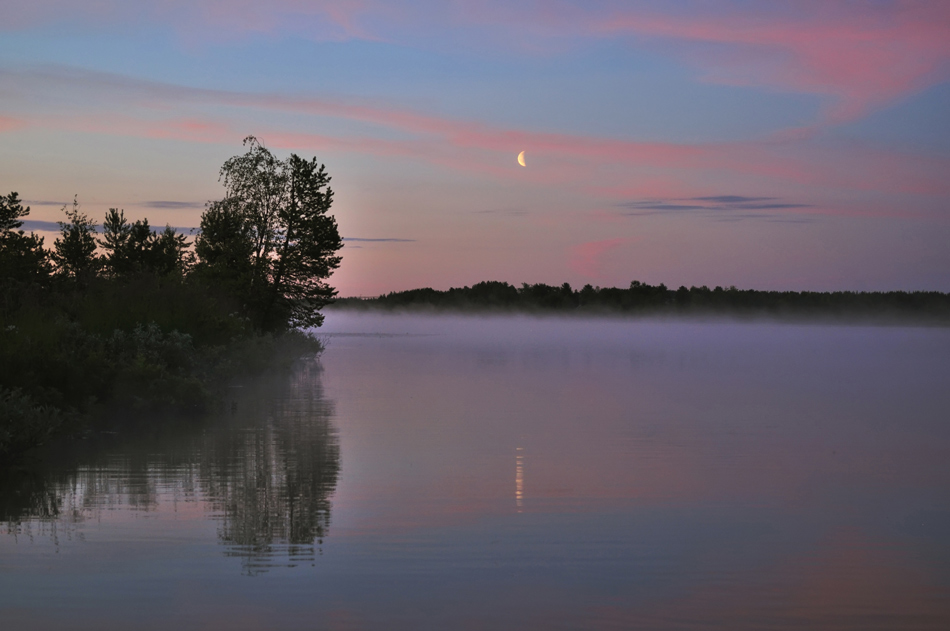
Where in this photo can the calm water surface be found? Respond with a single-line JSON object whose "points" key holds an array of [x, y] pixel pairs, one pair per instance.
{"points": [[502, 473]]}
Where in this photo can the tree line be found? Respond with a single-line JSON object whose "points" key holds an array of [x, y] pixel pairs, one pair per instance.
{"points": [[645, 299], [135, 315]]}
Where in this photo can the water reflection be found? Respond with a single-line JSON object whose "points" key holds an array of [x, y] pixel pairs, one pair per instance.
{"points": [[519, 478], [264, 471], [670, 476]]}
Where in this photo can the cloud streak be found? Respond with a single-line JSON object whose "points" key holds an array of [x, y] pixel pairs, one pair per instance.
{"points": [[9, 124], [859, 55], [719, 207], [586, 259], [171, 205], [382, 240], [43, 202], [469, 146], [863, 55], [53, 226], [35, 224]]}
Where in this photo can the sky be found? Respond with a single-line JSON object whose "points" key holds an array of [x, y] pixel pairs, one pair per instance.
{"points": [[768, 145]]}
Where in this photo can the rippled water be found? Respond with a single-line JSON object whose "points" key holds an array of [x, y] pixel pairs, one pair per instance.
{"points": [[437, 473]]}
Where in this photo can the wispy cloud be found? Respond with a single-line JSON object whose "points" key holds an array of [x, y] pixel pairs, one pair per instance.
{"points": [[170, 205], [43, 202], [863, 55], [507, 212], [719, 207], [860, 55], [384, 240], [132, 107], [35, 224], [470, 146], [53, 226], [732, 199], [9, 124], [587, 258]]}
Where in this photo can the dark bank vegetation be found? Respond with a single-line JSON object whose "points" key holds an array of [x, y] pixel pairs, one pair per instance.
{"points": [[138, 318], [920, 307]]}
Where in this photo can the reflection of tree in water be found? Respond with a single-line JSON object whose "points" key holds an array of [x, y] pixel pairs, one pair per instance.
{"points": [[268, 468], [272, 479]]}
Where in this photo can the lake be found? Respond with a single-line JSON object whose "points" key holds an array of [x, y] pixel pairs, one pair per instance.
{"points": [[436, 472]]}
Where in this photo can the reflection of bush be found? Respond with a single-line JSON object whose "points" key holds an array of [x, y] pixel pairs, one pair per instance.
{"points": [[268, 468]]}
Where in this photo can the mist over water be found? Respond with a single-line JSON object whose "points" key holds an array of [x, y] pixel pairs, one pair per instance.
{"points": [[436, 472]]}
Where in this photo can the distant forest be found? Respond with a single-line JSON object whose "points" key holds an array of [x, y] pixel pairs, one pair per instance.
{"points": [[923, 307]]}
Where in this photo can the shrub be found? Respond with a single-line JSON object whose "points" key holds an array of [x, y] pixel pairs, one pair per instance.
{"points": [[26, 423]]}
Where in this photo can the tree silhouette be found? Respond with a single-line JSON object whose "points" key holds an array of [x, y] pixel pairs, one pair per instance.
{"points": [[74, 252], [271, 240], [22, 256], [136, 248]]}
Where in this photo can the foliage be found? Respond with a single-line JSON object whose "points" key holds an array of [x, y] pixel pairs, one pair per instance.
{"points": [[26, 422], [225, 252], [96, 350], [135, 319], [74, 252], [11, 211], [134, 248], [271, 239], [23, 259]]}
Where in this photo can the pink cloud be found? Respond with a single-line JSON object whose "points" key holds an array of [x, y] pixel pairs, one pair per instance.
{"points": [[10, 124], [188, 129], [862, 55], [585, 162], [586, 258]]}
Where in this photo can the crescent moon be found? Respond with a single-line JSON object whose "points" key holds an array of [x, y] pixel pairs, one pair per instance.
{"points": [[521, 159]]}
